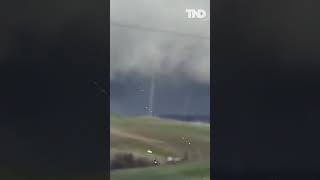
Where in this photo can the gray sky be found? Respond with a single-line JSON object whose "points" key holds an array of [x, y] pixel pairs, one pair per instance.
{"points": [[180, 64]]}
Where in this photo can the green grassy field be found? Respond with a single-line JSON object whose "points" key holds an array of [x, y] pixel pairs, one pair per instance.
{"points": [[186, 171], [165, 138]]}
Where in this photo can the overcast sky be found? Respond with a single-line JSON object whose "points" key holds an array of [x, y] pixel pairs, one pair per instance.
{"points": [[180, 64]]}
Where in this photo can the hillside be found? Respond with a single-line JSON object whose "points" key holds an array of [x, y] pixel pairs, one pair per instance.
{"points": [[165, 138]]}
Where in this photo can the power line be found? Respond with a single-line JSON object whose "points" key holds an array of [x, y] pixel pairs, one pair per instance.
{"points": [[131, 26]]}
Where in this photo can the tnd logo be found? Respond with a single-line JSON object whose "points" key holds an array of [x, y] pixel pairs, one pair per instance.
{"points": [[196, 13]]}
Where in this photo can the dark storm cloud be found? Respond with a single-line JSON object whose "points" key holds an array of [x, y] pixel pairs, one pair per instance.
{"points": [[131, 96], [145, 53], [180, 64]]}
